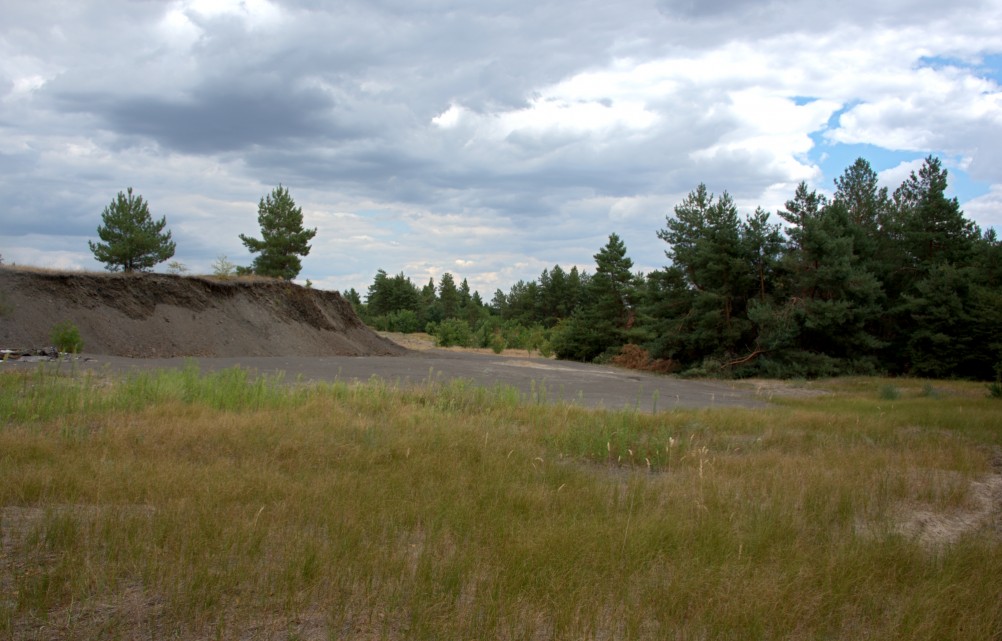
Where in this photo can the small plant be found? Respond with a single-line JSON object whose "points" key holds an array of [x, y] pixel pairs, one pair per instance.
{"points": [[889, 393], [223, 268], [66, 337], [928, 391], [177, 268], [995, 389], [497, 342], [545, 349]]}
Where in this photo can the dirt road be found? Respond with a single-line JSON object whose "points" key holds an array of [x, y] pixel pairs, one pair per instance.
{"points": [[553, 381]]}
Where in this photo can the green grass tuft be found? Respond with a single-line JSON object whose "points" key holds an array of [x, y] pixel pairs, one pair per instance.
{"points": [[889, 393]]}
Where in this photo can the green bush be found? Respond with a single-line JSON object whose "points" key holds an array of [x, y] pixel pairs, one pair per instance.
{"points": [[66, 337], [404, 321], [545, 349], [995, 389], [452, 331], [497, 343], [889, 393]]}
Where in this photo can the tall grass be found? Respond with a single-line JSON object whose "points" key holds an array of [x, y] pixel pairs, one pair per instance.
{"points": [[177, 504]]}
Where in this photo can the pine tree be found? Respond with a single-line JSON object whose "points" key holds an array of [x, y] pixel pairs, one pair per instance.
{"points": [[283, 238], [604, 320], [352, 297], [133, 241], [707, 246], [448, 296], [935, 230], [929, 283], [431, 309], [389, 294]]}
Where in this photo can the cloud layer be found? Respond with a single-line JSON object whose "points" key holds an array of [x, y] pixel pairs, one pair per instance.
{"points": [[488, 139]]}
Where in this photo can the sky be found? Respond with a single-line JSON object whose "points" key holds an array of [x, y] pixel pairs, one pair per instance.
{"points": [[488, 139]]}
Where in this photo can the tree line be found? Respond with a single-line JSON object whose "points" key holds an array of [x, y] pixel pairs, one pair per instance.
{"points": [[863, 282]]}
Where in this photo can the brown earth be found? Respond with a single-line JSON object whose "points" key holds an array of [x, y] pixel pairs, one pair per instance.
{"points": [[132, 322], [160, 315]]}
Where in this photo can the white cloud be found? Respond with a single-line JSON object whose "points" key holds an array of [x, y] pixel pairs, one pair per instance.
{"points": [[986, 209], [255, 13], [894, 176], [178, 31], [488, 139], [449, 118]]}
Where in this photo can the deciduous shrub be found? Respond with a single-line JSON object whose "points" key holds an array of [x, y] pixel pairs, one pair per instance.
{"points": [[66, 337], [452, 331], [635, 357]]}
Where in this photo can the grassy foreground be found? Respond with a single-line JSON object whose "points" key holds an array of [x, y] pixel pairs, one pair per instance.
{"points": [[177, 505]]}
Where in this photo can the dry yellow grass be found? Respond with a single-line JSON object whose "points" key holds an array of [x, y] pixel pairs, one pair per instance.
{"points": [[219, 507], [421, 341]]}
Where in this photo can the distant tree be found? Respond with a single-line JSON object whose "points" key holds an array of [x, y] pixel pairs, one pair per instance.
{"points": [[388, 294], [935, 230], [720, 260], [224, 268], [604, 319], [521, 303], [133, 241], [283, 238], [464, 294], [352, 297], [448, 296], [430, 306], [832, 297], [177, 268]]}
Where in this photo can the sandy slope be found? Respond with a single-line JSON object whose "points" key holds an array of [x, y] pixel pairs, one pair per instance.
{"points": [[159, 315]]}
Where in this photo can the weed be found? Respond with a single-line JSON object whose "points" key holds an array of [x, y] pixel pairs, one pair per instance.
{"points": [[177, 268], [223, 268], [889, 393], [995, 389], [66, 337]]}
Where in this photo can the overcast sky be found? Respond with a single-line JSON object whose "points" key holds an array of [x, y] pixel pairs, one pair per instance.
{"points": [[485, 138]]}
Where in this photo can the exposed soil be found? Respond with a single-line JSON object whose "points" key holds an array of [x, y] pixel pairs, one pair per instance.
{"points": [[158, 315], [149, 321]]}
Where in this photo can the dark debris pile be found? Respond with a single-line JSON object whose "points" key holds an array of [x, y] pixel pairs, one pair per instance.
{"points": [[37, 355]]}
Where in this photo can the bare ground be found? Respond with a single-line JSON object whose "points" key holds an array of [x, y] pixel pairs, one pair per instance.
{"points": [[143, 321], [158, 315]]}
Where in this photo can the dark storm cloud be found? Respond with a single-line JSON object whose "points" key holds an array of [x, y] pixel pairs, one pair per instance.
{"points": [[217, 119]]}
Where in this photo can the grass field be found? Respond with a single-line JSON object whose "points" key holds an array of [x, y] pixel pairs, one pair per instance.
{"points": [[177, 505]]}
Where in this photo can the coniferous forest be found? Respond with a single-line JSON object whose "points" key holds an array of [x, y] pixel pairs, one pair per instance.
{"points": [[863, 282]]}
